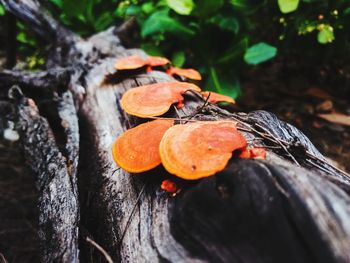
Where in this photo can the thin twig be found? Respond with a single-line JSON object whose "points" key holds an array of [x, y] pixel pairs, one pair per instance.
{"points": [[131, 215], [99, 248]]}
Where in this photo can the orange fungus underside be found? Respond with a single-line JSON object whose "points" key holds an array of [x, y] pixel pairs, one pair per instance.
{"points": [[157, 61], [131, 62], [135, 62], [187, 73], [216, 97], [154, 99], [196, 150], [137, 149]]}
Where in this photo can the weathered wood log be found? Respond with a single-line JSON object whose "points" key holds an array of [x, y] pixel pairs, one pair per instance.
{"points": [[293, 207]]}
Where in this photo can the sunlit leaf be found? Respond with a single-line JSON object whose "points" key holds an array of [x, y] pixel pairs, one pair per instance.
{"points": [[182, 7], [2, 10], [325, 36], [287, 6], [259, 53]]}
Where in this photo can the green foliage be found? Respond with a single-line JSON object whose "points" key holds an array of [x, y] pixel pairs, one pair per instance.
{"points": [[218, 37], [182, 7], [287, 6], [208, 35], [259, 53], [2, 10], [85, 16]]}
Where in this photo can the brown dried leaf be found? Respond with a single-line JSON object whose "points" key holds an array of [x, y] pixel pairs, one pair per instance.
{"points": [[337, 118]]}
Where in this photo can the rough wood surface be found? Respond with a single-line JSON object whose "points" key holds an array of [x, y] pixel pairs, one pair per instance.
{"points": [[292, 207]]}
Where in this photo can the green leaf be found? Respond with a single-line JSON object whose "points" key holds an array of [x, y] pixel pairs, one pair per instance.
{"points": [[178, 59], [103, 21], [151, 49], [325, 36], [222, 84], [259, 53], [206, 7], [182, 7], [133, 10], [160, 22], [2, 10], [230, 24], [231, 55], [23, 38], [147, 8], [74, 8], [58, 3], [287, 6]]}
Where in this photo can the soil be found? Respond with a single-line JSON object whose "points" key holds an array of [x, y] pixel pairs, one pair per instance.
{"points": [[299, 100]]}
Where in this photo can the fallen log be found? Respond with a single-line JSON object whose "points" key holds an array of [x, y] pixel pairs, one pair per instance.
{"points": [[292, 207]]}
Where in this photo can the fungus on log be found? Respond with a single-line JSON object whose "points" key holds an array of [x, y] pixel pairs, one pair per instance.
{"points": [[188, 73], [291, 207], [155, 99], [214, 97], [137, 149], [197, 150]]}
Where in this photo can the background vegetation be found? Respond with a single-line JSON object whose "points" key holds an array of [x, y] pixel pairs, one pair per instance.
{"points": [[221, 38]]}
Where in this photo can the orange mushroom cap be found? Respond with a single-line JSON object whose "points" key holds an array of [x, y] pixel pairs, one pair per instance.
{"points": [[196, 150], [130, 62], [157, 61], [154, 99], [169, 186], [185, 72], [216, 97], [137, 149]]}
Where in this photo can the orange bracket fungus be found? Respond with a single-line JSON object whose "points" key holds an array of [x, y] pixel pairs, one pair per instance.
{"points": [[216, 97], [131, 62], [157, 61], [135, 62], [155, 99], [137, 150], [187, 73], [196, 150], [254, 153]]}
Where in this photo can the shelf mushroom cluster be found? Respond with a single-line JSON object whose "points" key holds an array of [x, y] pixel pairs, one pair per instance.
{"points": [[189, 151]]}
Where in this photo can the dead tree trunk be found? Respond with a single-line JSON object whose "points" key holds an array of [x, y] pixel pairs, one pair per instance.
{"points": [[293, 207]]}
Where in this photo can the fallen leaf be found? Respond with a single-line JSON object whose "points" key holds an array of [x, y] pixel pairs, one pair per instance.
{"points": [[325, 106], [337, 118]]}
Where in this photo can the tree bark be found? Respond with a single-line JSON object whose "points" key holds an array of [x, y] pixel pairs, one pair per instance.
{"points": [[292, 207]]}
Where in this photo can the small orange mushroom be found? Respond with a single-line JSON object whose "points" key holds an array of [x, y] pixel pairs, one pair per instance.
{"points": [[155, 99], [157, 61], [187, 73], [130, 62], [253, 153], [196, 150], [216, 97], [135, 62], [137, 149], [169, 186]]}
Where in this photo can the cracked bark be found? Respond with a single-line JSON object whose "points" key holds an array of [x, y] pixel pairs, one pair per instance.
{"points": [[253, 211]]}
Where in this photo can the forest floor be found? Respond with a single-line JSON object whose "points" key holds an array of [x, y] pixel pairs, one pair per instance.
{"points": [[299, 101]]}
